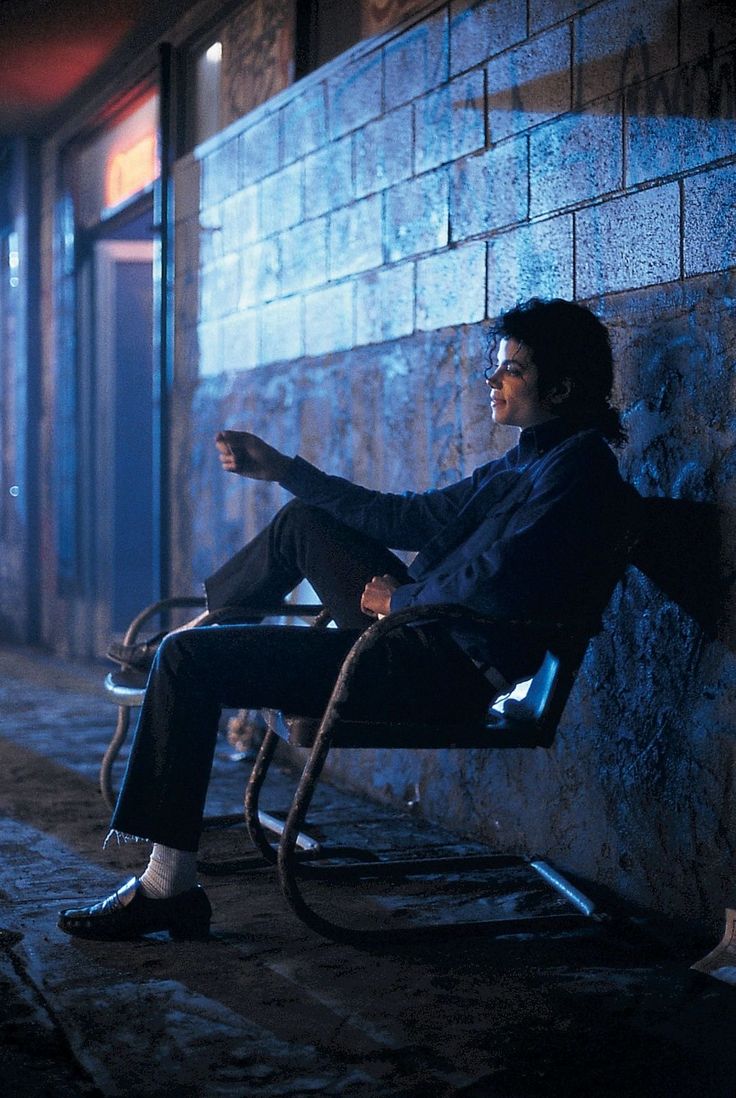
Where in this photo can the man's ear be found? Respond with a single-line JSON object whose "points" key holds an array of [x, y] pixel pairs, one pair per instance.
{"points": [[559, 393]]}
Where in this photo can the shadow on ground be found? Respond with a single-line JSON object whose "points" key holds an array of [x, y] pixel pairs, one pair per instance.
{"points": [[266, 1007]]}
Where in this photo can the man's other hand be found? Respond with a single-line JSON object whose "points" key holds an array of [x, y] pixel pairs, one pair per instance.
{"points": [[376, 598], [249, 456]]}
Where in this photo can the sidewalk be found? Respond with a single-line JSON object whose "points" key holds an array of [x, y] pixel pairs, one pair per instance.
{"points": [[266, 1007]]}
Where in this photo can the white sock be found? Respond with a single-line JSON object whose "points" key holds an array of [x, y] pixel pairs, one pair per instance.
{"points": [[168, 872]]}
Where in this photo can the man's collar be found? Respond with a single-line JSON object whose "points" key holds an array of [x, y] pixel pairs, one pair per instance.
{"points": [[536, 441]]}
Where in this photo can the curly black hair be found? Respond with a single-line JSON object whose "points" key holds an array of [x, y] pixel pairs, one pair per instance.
{"points": [[568, 344]]}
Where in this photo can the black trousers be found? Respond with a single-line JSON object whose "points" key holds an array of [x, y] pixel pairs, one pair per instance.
{"points": [[415, 673]]}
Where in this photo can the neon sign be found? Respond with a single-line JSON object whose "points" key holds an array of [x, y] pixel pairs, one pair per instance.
{"points": [[130, 170]]}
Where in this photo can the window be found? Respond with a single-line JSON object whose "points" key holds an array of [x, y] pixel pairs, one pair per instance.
{"points": [[324, 29], [207, 64]]}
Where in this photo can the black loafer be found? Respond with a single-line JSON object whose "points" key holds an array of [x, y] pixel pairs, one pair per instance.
{"points": [[137, 656], [128, 914]]}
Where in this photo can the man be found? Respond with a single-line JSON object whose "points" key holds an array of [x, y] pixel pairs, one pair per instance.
{"points": [[529, 536]]}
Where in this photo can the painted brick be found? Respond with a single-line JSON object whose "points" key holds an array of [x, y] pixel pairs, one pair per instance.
{"points": [[328, 178], [356, 237], [532, 260], [478, 31], [259, 273], [706, 26], [451, 287], [219, 288], [211, 244], [710, 225], [576, 158], [281, 330], [259, 150], [417, 215], [629, 242], [240, 341], [621, 42], [209, 338], [328, 319], [416, 61], [240, 219], [384, 307], [304, 123], [681, 120], [219, 173], [383, 152], [544, 13], [529, 85], [281, 199], [354, 95], [490, 190], [450, 122], [304, 256]]}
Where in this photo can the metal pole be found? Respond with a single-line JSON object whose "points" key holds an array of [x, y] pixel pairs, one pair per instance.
{"points": [[163, 337]]}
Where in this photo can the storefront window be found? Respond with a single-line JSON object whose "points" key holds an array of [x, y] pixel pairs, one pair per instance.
{"points": [[119, 165]]}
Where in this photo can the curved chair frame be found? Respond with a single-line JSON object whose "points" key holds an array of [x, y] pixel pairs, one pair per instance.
{"points": [[518, 725], [128, 697]]}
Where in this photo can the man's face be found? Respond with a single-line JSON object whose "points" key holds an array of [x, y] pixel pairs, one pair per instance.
{"points": [[513, 387]]}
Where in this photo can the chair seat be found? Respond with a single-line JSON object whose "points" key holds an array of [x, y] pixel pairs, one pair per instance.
{"points": [[521, 718], [125, 687], [496, 731]]}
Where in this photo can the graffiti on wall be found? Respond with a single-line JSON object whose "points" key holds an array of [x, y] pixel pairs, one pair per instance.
{"points": [[680, 120], [379, 15], [259, 42]]}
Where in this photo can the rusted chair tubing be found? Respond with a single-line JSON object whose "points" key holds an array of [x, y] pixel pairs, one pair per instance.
{"points": [[499, 732]]}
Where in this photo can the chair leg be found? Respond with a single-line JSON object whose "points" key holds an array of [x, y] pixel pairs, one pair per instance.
{"points": [[252, 793], [287, 862], [259, 822], [291, 868]]}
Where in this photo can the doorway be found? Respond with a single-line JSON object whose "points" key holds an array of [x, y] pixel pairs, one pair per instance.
{"points": [[123, 308]]}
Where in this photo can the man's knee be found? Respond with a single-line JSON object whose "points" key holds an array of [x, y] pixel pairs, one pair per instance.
{"points": [[176, 653], [300, 519]]}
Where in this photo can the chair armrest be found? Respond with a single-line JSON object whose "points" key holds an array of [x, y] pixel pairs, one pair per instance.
{"points": [[194, 602], [572, 637], [456, 612], [161, 607]]}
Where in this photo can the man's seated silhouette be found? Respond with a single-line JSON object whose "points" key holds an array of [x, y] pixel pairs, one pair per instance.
{"points": [[528, 536]]}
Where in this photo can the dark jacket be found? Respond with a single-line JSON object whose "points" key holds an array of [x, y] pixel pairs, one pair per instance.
{"points": [[532, 535]]}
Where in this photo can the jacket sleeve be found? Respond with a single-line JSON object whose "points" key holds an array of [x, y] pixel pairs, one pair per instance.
{"points": [[551, 559], [405, 521]]}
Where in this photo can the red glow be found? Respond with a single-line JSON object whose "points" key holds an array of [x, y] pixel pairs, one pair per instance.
{"points": [[41, 75]]}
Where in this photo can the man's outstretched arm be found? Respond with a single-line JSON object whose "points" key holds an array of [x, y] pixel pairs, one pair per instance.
{"points": [[405, 521], [249, 456]]}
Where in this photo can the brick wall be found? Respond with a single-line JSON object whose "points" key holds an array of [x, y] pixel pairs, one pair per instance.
{"points": [[571, 156], [339, 254]]}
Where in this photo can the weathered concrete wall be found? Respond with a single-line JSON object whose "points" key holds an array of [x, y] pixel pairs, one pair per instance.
{"points": [[18, 395], [338, 254]]}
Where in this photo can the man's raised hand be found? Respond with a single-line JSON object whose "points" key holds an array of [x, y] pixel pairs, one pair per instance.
{"points": [[249, 456]]}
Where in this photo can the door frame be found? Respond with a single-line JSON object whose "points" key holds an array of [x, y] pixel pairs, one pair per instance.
{"points": [[108, 254]]}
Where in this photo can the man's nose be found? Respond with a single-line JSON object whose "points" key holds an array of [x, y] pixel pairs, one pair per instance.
{"points": [[494, 379]]}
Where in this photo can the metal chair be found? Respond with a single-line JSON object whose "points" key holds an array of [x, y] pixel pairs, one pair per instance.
{"points": [[127, 692], [527, 723]]}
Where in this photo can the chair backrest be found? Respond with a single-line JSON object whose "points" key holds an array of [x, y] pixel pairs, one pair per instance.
{"points": [[529, 700], [532, 710]]}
